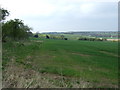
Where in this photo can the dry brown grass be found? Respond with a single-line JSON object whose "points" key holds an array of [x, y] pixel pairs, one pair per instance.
{"points": [[15, 76]]}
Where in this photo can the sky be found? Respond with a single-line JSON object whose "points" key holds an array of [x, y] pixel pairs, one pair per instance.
{"points": [[65, 15]]}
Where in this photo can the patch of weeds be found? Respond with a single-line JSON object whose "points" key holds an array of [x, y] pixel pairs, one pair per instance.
{"points": [[69, 85], [78, 82], [42, 71], [5, 60], [58, 82], [49, 69], [57, 70], [51, 80], [95, 81], [20, 61], [28, 66], [62, 82]]}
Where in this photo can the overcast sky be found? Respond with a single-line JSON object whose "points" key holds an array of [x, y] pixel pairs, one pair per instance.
{"points": [[65, 15]]}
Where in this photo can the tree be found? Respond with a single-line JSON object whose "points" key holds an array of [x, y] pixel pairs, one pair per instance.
{"points": [[47, 37], [36, 35], [15, 29], [3, 14]]}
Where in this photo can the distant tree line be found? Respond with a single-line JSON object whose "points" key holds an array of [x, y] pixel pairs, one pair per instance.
{"points": [[96, 34], [56, 37], [61, 37], [14, 29], [91, 39]]}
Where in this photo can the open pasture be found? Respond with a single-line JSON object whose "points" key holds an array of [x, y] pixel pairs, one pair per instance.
{"points": [[95, 62]]}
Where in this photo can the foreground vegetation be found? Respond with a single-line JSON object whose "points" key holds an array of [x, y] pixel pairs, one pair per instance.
{"points": [[53, 62], [61, 63], [13, 29]]}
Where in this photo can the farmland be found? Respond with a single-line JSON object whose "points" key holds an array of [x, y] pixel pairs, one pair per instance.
{"points": [[42, 62], [97, 34], [68, 59]]}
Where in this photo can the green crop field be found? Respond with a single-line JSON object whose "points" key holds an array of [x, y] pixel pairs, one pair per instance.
{"points": [[94, 62]]}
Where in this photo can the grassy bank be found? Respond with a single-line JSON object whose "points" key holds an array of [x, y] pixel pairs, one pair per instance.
{"points": [[93, 62]]}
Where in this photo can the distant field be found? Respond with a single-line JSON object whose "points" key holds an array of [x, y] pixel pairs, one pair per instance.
{"points": [[96, 34], [94, 62], [76, 36]]}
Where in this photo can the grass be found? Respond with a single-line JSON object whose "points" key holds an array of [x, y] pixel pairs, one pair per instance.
{"points": [[95, 62]]}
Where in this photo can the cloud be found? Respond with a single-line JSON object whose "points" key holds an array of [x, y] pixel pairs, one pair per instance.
{"points": [[64, 15]]}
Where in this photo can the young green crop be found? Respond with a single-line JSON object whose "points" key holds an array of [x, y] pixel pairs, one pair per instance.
{"points": [[93, 61]]}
